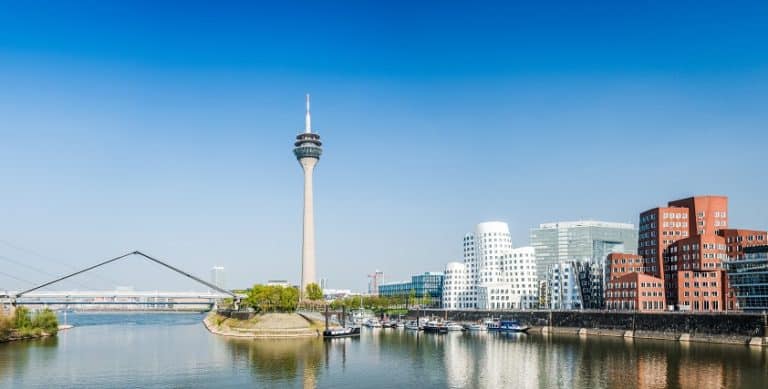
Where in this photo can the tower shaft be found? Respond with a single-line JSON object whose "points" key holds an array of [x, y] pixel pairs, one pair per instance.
{"points": [[308, 241]]}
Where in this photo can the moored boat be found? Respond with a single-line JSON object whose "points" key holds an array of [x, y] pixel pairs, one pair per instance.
{"points": [[412, 326], [451, 326], [435, 327], [508, 326], [341, 332]]}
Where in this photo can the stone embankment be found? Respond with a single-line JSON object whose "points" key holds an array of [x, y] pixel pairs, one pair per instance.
{"points": [[727, 328], [269, 325]]}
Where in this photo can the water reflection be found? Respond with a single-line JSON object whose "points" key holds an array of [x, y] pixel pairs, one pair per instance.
{"points": [[281, 361], [179, 352]]}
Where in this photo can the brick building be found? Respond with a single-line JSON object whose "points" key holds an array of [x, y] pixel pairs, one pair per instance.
{"points": [[635, 291]]}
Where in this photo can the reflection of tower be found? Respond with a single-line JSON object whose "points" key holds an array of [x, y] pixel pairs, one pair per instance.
{"points": [[307, 150]]}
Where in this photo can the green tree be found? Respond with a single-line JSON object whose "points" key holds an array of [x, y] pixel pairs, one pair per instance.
{"points": [[314, 292], [47, 321], [21, 318]]}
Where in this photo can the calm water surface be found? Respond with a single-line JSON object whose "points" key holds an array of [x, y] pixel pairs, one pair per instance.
{"points": [[175, 351]]}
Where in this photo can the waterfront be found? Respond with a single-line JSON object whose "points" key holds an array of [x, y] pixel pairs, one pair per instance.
{"points": [[175, 350]]}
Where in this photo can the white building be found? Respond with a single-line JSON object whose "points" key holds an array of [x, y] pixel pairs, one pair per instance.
{"points": [[217, 277], [563, 285], [494, 275]]}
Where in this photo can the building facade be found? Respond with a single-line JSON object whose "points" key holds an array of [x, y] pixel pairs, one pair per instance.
{"points": [[494, 275], [426, 285], [748, 277], [581, 247], [374, 280], [217, 277]]}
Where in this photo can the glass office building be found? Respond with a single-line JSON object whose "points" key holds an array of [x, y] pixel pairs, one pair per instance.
{"points": [[580, 240], [428, 284], [586, 243], [748, 276]]}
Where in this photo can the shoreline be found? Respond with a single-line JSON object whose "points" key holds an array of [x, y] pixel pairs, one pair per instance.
{"points": [[263, 333], [735, 340], [25, 337]]}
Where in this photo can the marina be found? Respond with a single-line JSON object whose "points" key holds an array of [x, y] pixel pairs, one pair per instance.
{"points": [[184, 354]]}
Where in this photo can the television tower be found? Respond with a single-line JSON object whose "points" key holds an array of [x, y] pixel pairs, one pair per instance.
{"points": [[307, 149]]}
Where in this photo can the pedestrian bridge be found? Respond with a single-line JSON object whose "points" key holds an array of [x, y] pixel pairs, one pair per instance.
{"points": [[156, 299]]}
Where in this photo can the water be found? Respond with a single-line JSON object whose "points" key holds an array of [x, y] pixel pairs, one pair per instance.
{"points": [[175, 351]]}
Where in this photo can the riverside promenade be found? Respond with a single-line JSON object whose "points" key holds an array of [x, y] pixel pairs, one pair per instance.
{"points": [[728, 328]]}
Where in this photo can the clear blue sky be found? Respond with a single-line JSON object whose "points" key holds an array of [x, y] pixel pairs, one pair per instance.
{"points": [[168, 128]]}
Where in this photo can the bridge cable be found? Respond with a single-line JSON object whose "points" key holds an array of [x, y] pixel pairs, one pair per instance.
{"points": [[33, 268], [208, 284], [74, 274], [177, 270], [53, 260]]}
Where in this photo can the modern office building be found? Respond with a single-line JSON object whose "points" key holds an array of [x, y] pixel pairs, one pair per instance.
{"points": [[582, 248], [425, 285], [494, 275], [748, 276], [563, 286], [217, 277], [307, 150], [580, 240]]}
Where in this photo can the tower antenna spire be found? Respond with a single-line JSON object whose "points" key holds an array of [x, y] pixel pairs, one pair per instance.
{"points": [[308, 120]]}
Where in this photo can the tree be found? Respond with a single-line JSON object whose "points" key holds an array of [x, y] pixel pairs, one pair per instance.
{"points": [[21, 318], [313, 292], [47, 321]]}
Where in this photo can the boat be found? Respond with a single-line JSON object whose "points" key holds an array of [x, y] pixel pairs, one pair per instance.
{"points": [[401, 324], [412, 325], [451, 326], [372, 323], [389, 324], [508, 326], [477, 327], [435, 327], [341, 332]]}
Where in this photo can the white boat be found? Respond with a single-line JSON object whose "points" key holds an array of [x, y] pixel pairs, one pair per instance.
{"points": [[412, 325], [372, 323], [478, 327], [454, 326]]}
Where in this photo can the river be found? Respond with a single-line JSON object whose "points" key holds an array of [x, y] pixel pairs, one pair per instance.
{"points": [[175, 351]]}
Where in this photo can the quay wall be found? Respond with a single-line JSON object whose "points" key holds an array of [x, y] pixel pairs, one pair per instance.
{"points": [[656, 325]]}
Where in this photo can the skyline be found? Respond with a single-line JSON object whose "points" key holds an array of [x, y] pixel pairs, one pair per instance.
{"points": [[146, 129]]}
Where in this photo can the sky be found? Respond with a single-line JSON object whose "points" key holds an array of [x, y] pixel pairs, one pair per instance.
{"points": [[167, 127]]}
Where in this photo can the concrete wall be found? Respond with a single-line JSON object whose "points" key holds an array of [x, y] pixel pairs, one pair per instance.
{"points": [[732, 324]]}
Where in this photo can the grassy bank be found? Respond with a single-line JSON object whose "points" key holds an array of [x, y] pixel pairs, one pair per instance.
{"points": [[22, 325], [268, 325]]}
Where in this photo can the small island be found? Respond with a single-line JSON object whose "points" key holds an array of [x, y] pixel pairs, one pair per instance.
{"points": [[20, 324], [268, 311]]}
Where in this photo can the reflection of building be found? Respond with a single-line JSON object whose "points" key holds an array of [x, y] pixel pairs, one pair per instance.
{"points": [[583, 247], [217, 277], [427, 284], [376, 279]]}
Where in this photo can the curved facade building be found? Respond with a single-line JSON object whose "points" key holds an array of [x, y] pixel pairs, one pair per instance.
{"points": [[494, 275]]}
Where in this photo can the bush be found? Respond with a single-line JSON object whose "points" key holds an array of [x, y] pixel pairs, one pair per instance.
{"points": [[5, 326], [46, 321], [21, 318]]}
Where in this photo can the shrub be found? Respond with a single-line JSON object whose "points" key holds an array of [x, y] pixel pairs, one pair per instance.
{"points": [[46, 321], [21, 318]]}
